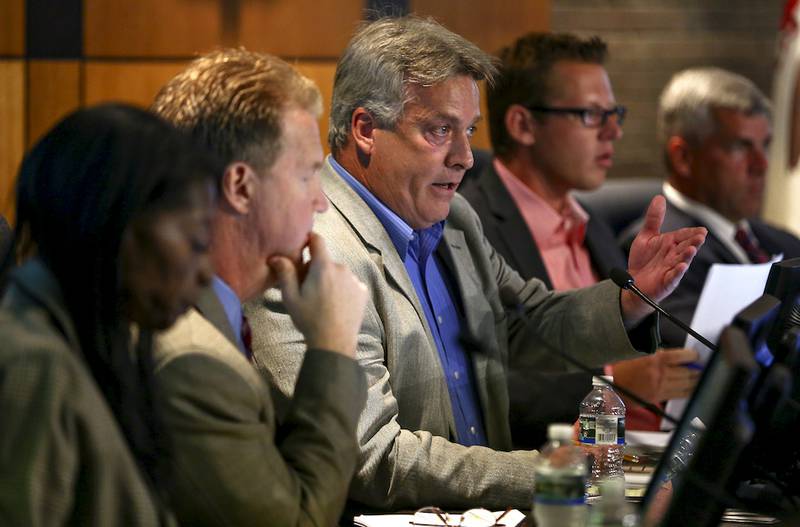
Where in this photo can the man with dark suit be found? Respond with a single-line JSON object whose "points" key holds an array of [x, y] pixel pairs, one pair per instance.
{"points": [[553, 122], [715, 127], [446, 313], [229, 463]]}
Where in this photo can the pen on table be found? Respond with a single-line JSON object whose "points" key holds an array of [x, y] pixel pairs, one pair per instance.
{"points": [[497, 520], [693, 366]]}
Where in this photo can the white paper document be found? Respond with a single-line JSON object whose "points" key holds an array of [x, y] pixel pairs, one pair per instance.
{"points": [[510, 518], [729, 288]]}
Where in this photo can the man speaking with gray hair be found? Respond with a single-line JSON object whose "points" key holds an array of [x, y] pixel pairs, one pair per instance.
{"points": [[446, 313]]}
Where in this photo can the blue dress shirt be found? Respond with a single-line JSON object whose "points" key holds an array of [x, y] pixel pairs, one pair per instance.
{"points": [[232, 307], [431, 282]]}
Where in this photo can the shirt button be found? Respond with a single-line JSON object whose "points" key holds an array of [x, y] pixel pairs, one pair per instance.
{"points": [[456, 375], [439, 319], [472, 430]]}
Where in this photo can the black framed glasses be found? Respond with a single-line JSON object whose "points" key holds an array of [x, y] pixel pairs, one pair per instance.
{"points": [[590, 117]]}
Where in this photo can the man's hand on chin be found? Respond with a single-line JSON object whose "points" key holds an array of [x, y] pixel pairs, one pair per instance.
{"points": [[327, 304]]}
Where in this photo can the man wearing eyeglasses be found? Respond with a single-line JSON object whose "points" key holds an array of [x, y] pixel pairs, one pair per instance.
{"points": [[446, 312], [553, 123]]}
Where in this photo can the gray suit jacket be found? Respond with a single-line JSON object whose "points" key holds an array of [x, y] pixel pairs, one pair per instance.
{"points": [[230, 463], [63, 458], [407, 431]]}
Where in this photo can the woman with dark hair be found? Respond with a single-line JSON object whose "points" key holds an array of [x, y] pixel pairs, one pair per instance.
{"points": [[113, 214]]}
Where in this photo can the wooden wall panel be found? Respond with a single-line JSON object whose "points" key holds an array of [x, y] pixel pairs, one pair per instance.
{"points": [[53, 91], [131, 82], [150, 28], [12, 130], [490, 25], [12, 27], [322, 74], [176, 28], [299, 28]]}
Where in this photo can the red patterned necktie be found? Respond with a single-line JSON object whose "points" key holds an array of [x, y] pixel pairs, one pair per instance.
{"points": [[750, 246], [247, 338]]}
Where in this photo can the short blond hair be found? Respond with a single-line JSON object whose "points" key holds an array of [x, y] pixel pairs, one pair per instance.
{"points": [[232, 102]]}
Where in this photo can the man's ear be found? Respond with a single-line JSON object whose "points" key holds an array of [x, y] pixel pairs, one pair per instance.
{"points": [[363, 129], [520, 125], [238, 186], [679, 156]]}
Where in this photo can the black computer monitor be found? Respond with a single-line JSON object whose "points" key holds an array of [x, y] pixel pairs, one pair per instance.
{"points": [[697, 491], [758, 321], [783, 283], [769, 468]]}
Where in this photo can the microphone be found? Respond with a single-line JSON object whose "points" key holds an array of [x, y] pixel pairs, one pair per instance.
{"points": [[625, 281]]}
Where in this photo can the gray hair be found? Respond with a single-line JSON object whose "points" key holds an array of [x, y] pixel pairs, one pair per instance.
{"points": [[686, 105], [386, 56]]}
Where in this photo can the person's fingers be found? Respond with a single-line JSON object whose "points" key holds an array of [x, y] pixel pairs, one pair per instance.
{"points": [[654, 217], [287, 277], [317, 248], [674, 356], [678, 382]]}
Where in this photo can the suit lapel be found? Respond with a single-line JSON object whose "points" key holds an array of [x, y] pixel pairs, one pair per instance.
{"points": [[603, 249], [512, 229], [210, 307]]}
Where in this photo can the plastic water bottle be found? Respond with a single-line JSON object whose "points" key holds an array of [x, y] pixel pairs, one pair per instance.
{"points": [[602, 433], [611, 510], [560, 473]]}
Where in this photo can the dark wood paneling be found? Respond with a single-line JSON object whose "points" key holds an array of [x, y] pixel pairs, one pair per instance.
{"points": [[490, 25], [53, 91], [151, 28], [299, 28], [132, 82], [321, 72], [12, 129], [177, 28], [12, 27]]}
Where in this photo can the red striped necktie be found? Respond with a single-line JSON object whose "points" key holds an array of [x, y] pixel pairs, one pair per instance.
{"points": [[750, 245]]}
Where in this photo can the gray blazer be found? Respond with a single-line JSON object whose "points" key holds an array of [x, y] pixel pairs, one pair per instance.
{"points": [[63, 458], [407, 432], [230, 463]]}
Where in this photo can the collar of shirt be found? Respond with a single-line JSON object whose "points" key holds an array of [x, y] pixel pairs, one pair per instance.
{"points": [[722, 228], [548, 226], [421, 242], [232, 307]]}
